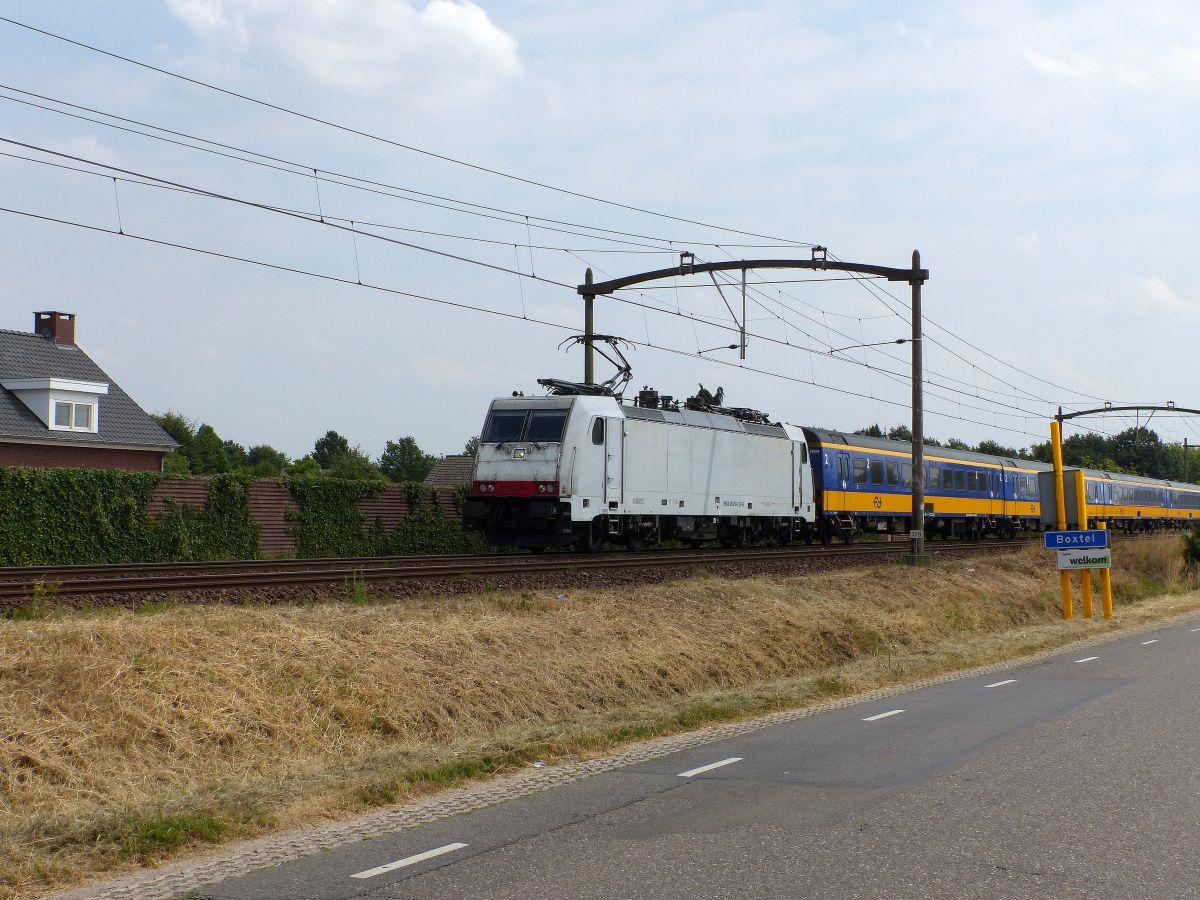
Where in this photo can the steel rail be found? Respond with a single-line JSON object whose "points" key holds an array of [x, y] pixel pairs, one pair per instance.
{"points": [[60, 582]]}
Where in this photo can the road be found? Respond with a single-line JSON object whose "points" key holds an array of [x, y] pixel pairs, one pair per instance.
{"points": [[1073, 777]]}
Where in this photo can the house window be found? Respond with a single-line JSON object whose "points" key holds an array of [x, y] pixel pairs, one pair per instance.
{"points": [[73, 416]]}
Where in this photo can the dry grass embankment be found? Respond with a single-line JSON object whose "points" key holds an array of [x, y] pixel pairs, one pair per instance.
{"points": [[126, 736]]}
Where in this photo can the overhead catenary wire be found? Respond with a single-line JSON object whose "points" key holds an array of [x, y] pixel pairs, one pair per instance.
{"points": [[314, 173], [385, 140], [304, 217], [367, 185], [177, 245], [155, 181], [875, 290]]}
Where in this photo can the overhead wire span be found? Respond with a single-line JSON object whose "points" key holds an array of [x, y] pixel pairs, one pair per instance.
{"points": [[328, 123], [365, 185], [876, 290], [253, 204], [229, 257]]}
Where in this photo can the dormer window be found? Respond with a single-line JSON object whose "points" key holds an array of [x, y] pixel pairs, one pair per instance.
{"points": [[74, 416], [63, 404]]}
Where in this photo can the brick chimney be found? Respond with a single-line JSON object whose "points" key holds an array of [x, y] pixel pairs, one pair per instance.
{"points": [[58, 326]]}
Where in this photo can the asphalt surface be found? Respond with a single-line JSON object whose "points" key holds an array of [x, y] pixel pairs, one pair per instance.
{"points": [[1063, 778]]}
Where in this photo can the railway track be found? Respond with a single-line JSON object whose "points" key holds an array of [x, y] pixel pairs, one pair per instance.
{"points": [[242, 575]]}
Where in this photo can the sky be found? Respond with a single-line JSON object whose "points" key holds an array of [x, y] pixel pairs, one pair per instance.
{"points": [[1040, 156]]}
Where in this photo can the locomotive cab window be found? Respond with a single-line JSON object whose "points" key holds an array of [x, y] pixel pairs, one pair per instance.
{"points": [[804, 453], [504, 426], [598, 431], [546, 426]]}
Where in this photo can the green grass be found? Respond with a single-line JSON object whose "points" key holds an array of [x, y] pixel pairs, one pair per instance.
{"points": [[139, 837]]}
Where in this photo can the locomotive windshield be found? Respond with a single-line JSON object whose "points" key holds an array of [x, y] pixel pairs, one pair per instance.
{"points": [[543, 426]]}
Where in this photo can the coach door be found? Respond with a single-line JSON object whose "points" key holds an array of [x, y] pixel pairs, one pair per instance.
{"points": [[995, 492], [841, 485], [614, 455]]}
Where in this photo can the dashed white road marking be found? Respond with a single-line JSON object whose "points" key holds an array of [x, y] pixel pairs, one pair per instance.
{"points": [[894, 712], [408, 861], [1194, 629], [725, 762], [1001, 683], [1151, 641], [1087, 659]]}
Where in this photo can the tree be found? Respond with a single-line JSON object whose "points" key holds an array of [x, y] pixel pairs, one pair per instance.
{"points": [[182, 430], [871, 431], [1141, 450], [176, 464], [265, 461], [472, 447], [303, 467], [208, 452], [329, 448], [956, 444], [404, 460], [900, 433], [355, 464], [994, 448], [711, 398], [236, 454]]}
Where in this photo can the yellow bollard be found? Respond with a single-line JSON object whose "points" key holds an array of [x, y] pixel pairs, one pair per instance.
{"points": [[1085, 576], [1106, 584], [1059, 496]]}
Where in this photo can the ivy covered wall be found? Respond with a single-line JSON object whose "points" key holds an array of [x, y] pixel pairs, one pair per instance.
{"points": [[80, 516], [77, 516]]}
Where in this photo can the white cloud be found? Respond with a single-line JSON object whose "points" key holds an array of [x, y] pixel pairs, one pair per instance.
{"points": [[1150, 295], [375, 45], [85, 146], [1056, 68]]}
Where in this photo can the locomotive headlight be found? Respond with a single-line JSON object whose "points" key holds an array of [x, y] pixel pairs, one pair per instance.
{"points": [[541, 488]]}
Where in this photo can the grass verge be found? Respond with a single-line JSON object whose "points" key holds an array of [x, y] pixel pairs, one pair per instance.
{"points": [[127, 738]]}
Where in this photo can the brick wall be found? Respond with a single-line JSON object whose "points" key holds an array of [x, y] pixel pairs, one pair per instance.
{"points": [[270, 504], [77, 456]]}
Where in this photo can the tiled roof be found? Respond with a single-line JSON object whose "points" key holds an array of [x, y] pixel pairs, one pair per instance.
{"points": [[451, 471], [119, 419]]}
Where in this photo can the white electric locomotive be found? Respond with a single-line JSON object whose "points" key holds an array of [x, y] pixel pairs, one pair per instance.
{"points": [[584, 469]]}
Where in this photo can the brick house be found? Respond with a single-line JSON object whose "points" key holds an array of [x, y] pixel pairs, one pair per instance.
{"points": [[58, 409]]}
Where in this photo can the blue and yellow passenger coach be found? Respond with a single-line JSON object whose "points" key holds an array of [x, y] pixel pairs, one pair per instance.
{"points": [[865, 484]]}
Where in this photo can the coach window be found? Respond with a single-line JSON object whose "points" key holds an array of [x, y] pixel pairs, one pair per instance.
{"points": [[860, 470], [598, 431], [971, 485], [906, 475], [935, 477], [876, 471], [893, 474], [960, 480]]}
